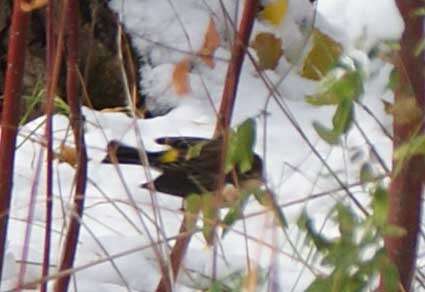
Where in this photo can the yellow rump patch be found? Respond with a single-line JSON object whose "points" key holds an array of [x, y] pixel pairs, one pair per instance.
{"points": [[169, 156]]}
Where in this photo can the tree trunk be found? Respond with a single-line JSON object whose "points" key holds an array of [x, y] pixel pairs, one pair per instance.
{"points": [[406, 186]]}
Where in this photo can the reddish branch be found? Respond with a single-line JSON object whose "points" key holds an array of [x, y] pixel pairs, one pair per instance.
{"points": [[50, 61], [176, 257], [76, 119], [412, 36], [233, 72], [232, 79], [10, 116], [406, 185], [224, 118]]}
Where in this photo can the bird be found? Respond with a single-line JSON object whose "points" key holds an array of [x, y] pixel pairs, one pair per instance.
{"points": [[189, 166]]}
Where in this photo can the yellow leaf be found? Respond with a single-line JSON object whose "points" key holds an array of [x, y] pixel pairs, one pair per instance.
{"points": [[388, 106], [211, 43], [180, 77], [322, 56], [250, 281], [274, 12], [30, 5], [406, 111], [67, 154], [268, 49]]}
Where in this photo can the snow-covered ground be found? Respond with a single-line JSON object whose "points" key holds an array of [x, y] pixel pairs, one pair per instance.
{"points": [[120, 216]]}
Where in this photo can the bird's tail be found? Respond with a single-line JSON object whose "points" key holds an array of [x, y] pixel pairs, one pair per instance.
{"points": [[124, 154]]}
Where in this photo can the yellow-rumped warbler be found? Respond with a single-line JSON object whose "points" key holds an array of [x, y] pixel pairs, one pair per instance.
{"points": [[189, 166]]}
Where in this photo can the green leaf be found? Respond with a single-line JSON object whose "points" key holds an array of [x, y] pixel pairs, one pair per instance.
{"points": [[246, 140], [391, 277], [216, 286], [334, 89], [267, 199], [210, 216], [193, 203], [319, 285], [419, 48], [31, 101], [235, 212], [344, 255], [277, 211], [343, 117], [392, 231], [304, 222], [416, 146], [325, 95], [352, 85], [328, 135], [261, 196], [419, 11], [280, 216], [231, 152], [346, 220], [240, 149], [61, 106], [319, 100], [366, 173], [193, 206], [394, 79], [354, 283], [380, 206]]}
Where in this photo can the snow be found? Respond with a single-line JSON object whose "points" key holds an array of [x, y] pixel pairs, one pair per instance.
{"points": [[119, 215], [365, 22]]}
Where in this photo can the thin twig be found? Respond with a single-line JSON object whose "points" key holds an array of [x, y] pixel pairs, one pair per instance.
{"points": [[76, 120], [9, 116]]}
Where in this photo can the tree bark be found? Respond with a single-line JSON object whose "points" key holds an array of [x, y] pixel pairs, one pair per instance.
{"points": [[407, 185]]}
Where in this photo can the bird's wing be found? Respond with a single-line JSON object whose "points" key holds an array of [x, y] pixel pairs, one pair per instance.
{"points": [[182, 143], [174, 183]]}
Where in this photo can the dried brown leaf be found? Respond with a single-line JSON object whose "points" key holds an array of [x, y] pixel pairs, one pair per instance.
{"points": [[180, 77], [407, 111], [30, 5], [268, 49], [211, 43], [67, 154], [323, 55]]}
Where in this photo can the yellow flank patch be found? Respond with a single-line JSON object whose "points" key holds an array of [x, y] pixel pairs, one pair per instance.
{"points": [[169, 156], [274, 12]]}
